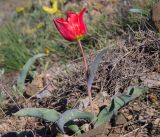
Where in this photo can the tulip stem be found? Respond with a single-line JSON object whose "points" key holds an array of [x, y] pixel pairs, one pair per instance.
{"points": [[84, 57], [86, 69]]}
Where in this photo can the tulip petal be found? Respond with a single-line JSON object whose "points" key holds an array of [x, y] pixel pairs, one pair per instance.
{"points": [[81, 22], [65, 29], [72, 19], [82, 12], [70, 13]]}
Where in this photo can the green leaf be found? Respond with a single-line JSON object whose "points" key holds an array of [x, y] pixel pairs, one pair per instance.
{"points": [[136, 91], [26, 67], [75, 129], [104, 116], [71, 115], [93, 68], [118, 102], [122, 100], [46, 114]]}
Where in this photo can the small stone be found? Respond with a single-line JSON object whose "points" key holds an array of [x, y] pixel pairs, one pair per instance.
{"points": [[157, 121], [85, 127], [129, 117], [136, 107], [141, 118]]}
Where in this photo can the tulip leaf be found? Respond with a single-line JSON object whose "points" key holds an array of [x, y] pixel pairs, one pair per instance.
{"points": [[75, 129], [93, 68], [44, 113], [104, 117], [72, 114], [26, 67], [136, 91], [118, 102]]}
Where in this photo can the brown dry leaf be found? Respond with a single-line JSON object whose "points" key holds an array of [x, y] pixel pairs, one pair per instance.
{"points": [[95, 109], [35, 86], [98, 101], [121, 119]]}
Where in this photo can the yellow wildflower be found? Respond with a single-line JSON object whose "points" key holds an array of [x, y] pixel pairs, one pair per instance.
{"points": [[54, 8], [46, 50], [20, 9]]}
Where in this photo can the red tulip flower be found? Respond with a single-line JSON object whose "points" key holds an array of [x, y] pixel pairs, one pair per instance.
{"points": [[73, 28]]}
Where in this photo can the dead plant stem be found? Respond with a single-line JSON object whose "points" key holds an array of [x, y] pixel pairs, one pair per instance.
{"points": [[11, 98]]}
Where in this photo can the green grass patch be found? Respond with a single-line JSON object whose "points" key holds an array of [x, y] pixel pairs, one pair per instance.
{"points": [[13, 51]]}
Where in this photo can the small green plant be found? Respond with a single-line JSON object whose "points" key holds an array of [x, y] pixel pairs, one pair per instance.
{"points": [[13, 51], [67, 118], [25, 70]]}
